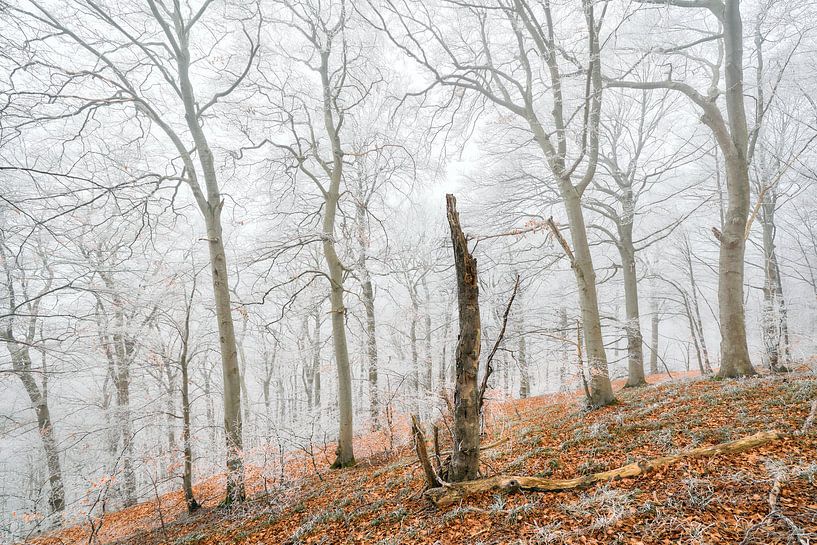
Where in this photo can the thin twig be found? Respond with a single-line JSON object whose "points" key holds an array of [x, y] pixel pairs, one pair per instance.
{"points": [[488, 367]]}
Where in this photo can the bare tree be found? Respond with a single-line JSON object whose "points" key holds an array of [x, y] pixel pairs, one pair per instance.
{"points": [[779, 147], [184, 364], [114, 42], [185, 351], [363, 198], [514, 78], [20, 332], [315, 150], [735, 141], [691, 301], [122, 321], [522, 351], [634, 163]]}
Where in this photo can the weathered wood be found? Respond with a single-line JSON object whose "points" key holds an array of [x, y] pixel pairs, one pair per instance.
{"points": [[465, 458], [451, 493], [432, 480], [438, 459]]}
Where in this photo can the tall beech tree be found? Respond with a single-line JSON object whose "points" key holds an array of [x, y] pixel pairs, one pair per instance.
{"points": [[312, 123], [633, 162], [732, 135], [148, 57]]}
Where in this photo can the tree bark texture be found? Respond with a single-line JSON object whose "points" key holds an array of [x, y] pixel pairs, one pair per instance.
{"points": [[465, 456]]}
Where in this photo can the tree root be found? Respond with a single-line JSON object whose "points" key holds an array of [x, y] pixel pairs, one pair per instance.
{"points": [[450, 493]]}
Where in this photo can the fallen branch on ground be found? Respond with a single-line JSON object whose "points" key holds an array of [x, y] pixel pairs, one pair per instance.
{"points": [[812, 415], [454, 492], [780, 476]]}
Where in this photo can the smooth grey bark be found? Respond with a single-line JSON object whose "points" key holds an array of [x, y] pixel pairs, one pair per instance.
{"points": [[323, 36], [209, 408], [311, 374], [719, 189], [345, 453], [187, 443], [732, 136], [654, 339], [345, 450], [563, 329], [616, 344], [601, 390], [305, 344], [367, 297], [211, 208], [522, 352], [316, 361], [774, 316], [735, 361], [784, 315], [371, 353], [632, 324], [414, 371], [38, 399], [242, 370]]}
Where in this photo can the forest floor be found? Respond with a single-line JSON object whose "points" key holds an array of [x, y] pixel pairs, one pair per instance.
{"points": [[721, 499]]}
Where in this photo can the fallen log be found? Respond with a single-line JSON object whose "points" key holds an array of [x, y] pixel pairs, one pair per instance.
{"points": [[453, 492]]}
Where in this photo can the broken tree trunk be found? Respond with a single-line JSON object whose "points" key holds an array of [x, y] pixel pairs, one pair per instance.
{"points": [[465, 458], [451, 493], [432, 480]]}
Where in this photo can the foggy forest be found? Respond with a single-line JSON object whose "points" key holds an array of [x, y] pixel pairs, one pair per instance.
{"points": [[408, 271]]}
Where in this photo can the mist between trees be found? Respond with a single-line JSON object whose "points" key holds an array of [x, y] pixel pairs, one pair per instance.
{"points": [[224, 239]]}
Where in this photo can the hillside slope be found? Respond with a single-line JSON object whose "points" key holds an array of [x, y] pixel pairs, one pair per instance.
{"points": [[725, 499]]}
